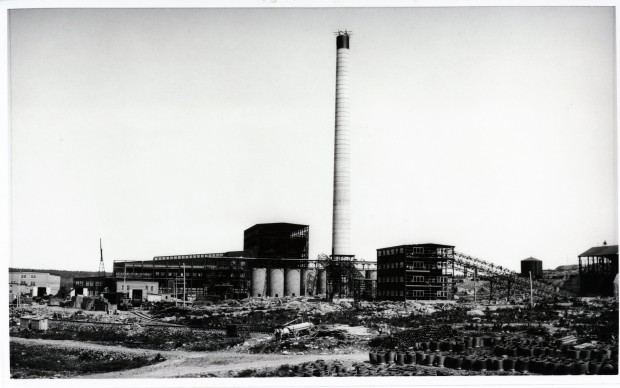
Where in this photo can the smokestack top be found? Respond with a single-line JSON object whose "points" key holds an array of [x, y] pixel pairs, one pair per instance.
{"points": [[342, 40]]}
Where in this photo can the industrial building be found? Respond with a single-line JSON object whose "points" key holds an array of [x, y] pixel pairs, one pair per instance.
{"points": [[532, 266], [277, 241], [34, 283], [92, 285], [137, 290], [274, 263], [415, 272], [598, 268]]}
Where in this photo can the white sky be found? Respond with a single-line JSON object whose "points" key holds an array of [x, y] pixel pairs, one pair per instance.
{"points": [[171, 131]]}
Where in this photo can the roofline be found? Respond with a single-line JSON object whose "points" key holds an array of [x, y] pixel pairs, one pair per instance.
{"points": [[606, 247], [418, 245], [279, 223]]}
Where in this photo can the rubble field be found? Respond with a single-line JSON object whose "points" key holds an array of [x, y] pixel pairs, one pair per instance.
{"points": [[41, 361], [349, 328]]}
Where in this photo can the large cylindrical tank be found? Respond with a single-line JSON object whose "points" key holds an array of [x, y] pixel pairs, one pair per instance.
{"points": [[292, 284], [303, 285], [531, 265], [321, 282], [259, 281], [371, 274], [276, 282], [311, 282]]}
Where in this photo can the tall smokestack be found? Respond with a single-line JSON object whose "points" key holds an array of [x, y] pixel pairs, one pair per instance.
{"points": [[341, 224]]}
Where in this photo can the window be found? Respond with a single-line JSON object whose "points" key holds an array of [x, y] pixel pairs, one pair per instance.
{"points": [[122, 287], [23, 276], [33, 276], [418, 265], [442, 293], [418, 279], [402, 250], [418, 293], [128, 288], [32, 283]]}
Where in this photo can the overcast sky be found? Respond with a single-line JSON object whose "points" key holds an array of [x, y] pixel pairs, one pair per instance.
{"points": [[171, 131]]}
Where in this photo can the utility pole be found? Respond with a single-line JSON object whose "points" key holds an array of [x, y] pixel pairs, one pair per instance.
{"points": [[531, 292], [475, 273], [125, 279], [183, 284], [19, 288]]}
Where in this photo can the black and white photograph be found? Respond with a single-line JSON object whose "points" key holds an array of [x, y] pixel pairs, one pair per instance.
{"points": [[205, 194]]}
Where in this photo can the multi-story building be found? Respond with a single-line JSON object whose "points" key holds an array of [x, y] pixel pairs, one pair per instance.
{"points": [[415, 272], [35, 283], [199, 274]]}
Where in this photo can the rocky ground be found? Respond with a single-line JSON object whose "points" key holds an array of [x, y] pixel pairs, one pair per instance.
{"points": [[168, 341]]}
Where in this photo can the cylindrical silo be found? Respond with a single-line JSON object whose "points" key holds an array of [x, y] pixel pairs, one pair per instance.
{"points": [[303, 285], [341, 226], [292, 284], [276, 282], [259, 281], [311, 282], [531, 265], [321, 282]]}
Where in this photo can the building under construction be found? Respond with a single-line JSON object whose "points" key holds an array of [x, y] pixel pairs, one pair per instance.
{"points": [[415, 272]]}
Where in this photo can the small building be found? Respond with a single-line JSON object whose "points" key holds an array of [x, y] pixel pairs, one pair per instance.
{"points": [[159, 297], [533, 266], [598, 267], [33, 323], [137, 290], [33, 283], [415, 272], [93, 285]]}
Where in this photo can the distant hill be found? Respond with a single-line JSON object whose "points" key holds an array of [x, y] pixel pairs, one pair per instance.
{"points": [[571, 267], [66, 277]]}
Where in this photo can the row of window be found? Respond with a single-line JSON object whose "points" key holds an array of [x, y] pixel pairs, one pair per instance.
{"points": [[410, 294], [197, 256], [175, 274], [135, 288], [416, 265], [395, 251], [87, 283], [25, 276], [390, 265], [413, 279]]}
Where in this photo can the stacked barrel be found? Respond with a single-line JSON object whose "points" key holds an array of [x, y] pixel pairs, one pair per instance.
{"points": [[503, 354]]}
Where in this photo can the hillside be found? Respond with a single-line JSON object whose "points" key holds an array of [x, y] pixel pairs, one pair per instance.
{"points": [[66, 277]]}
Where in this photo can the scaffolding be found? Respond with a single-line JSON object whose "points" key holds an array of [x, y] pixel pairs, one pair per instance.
{"points": [[349, 278]]}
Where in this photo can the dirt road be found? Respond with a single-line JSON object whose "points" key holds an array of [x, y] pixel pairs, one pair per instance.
{"points": [[193, 364]]}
